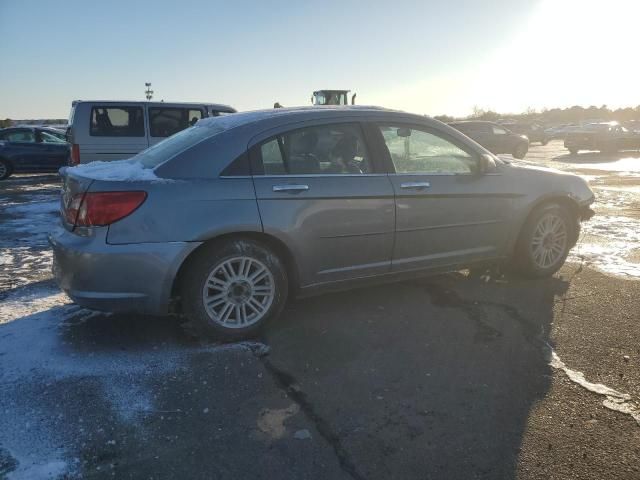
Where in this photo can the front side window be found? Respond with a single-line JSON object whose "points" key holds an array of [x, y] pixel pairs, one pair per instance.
{"points": [[418, 151], [117, 122], [21, 136], [46, 137], [166, 121], [499, 131], [326, 149]]}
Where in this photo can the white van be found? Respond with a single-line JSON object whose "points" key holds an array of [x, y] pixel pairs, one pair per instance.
{"points": [[113, 130]]}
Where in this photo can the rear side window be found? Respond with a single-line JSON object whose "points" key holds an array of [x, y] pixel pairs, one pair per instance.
{"points": [[110, 121], [166, 121], [326, 149], [170, 147]]}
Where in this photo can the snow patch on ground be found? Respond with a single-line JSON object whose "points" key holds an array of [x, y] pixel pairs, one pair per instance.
{"points": [[615, 400], [120, 170], [35, 471]]}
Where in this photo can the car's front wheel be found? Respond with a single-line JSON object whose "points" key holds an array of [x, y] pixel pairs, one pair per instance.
{"points": [[232, 289], [545, 241], [5, 169]]}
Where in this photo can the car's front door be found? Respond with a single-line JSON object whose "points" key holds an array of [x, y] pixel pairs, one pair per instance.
{"points": [[319, 191], [54, 152], [448, 212]]}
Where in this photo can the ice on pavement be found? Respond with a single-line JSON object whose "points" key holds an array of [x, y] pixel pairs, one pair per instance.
{"points": [[120, 170], [615, 400]]}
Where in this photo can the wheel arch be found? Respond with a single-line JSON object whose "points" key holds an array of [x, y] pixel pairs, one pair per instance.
{"points": [[270, 241], [562, 200]]}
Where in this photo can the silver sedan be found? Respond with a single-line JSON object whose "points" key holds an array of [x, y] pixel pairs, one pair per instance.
{"points": [[226, 220]]}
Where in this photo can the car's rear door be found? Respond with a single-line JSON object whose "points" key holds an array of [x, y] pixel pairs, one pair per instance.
{"points": [[26, 154], [447, 211], [319, 191]]}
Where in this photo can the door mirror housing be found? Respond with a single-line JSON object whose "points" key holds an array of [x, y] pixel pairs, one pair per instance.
{"points": [[487, 164]]}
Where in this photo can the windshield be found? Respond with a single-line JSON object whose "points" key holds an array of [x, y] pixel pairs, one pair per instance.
{"points": [[171, 146]]}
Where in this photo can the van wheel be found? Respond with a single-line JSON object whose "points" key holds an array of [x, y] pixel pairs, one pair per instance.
{"points": [[5, 169], [232, 289], [544, 242]]}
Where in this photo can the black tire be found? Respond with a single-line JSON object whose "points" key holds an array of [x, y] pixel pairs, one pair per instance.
{"points": [[521, 151], [209, 260], [5, 169], [524, 259]]}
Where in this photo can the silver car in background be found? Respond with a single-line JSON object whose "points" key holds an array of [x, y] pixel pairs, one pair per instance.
{"points": [[227, 219]]}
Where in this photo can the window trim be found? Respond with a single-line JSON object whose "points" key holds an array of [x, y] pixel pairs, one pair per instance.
{"points": [[386, 155], [121, 107], [255, 152]]}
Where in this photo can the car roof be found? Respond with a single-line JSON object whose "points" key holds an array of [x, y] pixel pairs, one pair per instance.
{"points": [[278, 116], [220, 106]]}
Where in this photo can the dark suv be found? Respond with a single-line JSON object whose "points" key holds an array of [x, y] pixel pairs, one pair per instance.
{"points": [[495, 138]]}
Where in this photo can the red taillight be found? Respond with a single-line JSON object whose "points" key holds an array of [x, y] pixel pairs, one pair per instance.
{"points": [[75, 154], [94, 209]]}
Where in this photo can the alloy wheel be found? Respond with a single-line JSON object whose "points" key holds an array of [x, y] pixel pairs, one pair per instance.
{"points": [[549, 240], [238, 292]]}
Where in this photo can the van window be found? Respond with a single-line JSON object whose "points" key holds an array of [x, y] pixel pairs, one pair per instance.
{"points": [[122, 121], [165, 121]]}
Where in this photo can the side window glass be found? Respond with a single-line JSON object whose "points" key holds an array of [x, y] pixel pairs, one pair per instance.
{"points": [[22, 136], [117, 122], [499, 131], [272, 160], [46, 137], [325, 149], [417, 151], [166, 121]]}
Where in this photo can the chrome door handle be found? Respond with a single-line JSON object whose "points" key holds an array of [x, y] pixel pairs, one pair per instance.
{"points": [[290, 188], [415, 185]]}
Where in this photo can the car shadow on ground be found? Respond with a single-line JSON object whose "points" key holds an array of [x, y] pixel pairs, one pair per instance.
{"points": [[427, 379]]}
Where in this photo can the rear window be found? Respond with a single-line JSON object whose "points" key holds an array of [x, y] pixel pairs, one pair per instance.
{"points": [[170, 147], [111, 121], [166, 121]]}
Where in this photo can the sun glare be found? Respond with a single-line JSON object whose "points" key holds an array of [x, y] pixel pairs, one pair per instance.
{"points": [[571, 52]]}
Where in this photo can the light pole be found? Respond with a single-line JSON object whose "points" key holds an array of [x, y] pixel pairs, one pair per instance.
{"points": [[148, 92]]}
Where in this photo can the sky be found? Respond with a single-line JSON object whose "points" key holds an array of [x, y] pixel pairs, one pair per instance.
{"points": [[429, 57]]}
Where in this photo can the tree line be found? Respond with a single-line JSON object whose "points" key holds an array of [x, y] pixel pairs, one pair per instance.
{"points": [[554, 116]]}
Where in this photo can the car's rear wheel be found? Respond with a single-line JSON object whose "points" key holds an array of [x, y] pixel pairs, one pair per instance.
{"points": [[521, 151], [233, 289], [545, 241], [5, 169]]}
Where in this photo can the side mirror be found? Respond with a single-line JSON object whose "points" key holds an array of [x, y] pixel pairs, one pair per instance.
{"points": [[403, 132], [487, 164]]}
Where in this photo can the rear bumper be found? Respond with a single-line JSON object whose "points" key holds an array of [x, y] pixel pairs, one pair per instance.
{"points": [[116, 278]]}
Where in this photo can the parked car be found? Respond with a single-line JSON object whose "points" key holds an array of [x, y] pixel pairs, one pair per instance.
{"points": [[532, 130], [113, 130], [495, 138], [608, 137], [225, 220], [30, 150], [559, 132]]}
